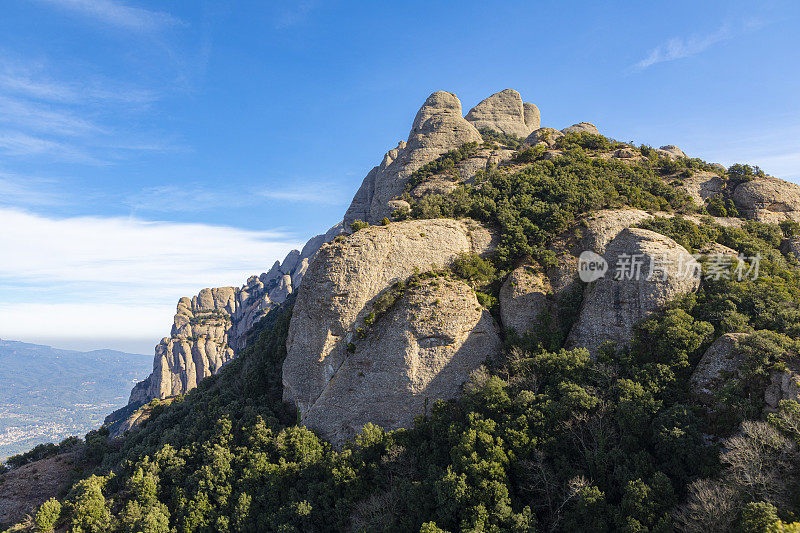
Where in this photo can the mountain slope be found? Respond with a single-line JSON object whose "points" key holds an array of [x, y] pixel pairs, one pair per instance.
{"points": [[553, 431], [48, 394]]}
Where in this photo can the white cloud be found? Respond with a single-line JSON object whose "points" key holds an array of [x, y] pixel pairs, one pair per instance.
{"points": [[166, 198], [311, 192], [117, 14], [681, 47], [89, 277], [42, 118], [15, 143], [678, 48]]}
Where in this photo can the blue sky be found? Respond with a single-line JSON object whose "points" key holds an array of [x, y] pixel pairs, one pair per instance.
{"points": [[152, 148]]}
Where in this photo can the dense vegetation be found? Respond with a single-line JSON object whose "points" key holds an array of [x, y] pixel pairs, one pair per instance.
{"points": [[542, 199], [545, 439]]}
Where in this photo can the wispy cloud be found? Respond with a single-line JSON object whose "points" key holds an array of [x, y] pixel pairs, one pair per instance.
{"points": [[166, 198], [44, 118], [33, 79], [117, 14], [310, 192], [681, 47], [16, 190], [69, 120], [117, 271], [678, 47], [18, 144]]}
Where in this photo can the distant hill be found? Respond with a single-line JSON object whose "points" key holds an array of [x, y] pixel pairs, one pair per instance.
{"points": [[48, 394]]}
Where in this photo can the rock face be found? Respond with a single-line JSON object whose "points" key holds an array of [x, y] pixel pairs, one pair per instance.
{"points": [[438, 128], [784, 385], [625, 295], [720, 363], [548, 136], [768, 200], [504, 112], [533, 117], [211, 328], [602, 227], [342, 283], [673, 150], [420, 351], [703, 185], [581, 127], [523, 298]]}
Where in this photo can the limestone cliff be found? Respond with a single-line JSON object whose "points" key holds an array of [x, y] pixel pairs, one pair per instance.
{"points": [[365, 346], [438, 128], [210, 328], [341, 287]]}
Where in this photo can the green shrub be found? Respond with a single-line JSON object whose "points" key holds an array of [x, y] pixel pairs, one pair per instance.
{"points": [[790, 228], [358, 224], [47, 515], [491, 136], [473, 268], [585, 140], [443, 164]]}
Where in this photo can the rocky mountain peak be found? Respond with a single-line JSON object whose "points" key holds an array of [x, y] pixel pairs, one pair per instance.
{"points": [[505, 113]]}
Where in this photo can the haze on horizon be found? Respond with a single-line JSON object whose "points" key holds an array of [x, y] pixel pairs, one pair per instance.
{"points": [[148, 150]]}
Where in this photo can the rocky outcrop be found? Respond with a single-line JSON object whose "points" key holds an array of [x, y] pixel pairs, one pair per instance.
{"points": [[211, 328], [783, 385], [719, 364], [768, 200], [724, 361], [423, 349], [581, 127], [602, 227], [533, 117], [672, 151], [646, 270], [702, 186], [545, 136], [505, 113], [344, 280], [438, 128], [523, 298]]}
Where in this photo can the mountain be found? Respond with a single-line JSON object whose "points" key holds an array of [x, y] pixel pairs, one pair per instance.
{"points": [[48, 394], [516, 328]]}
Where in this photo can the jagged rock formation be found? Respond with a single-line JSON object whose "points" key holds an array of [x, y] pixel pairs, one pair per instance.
{"points": [[423, 349], [346, 367], [438, 128], [211, 328], [345, 279], [612, 307], [768, 200], [505, 113]]}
